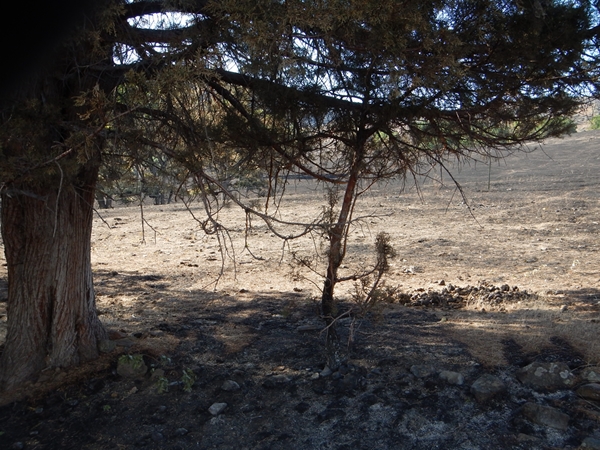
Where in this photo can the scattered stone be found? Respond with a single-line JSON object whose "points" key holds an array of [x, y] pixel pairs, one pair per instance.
{"points": [[346, 384], [125, 343], [589, 391], [18, 446], [181, 432], [526, 438], [546, 416], [114, 335], [276, 381], [315, 376], [452, 377], [302, 407], [157, 436], [546, 376], [422, 371], [230, 386], [591, 373], [591, 442], [106, 346], [410, 270], [325, 372], [131, 366], [217, 408], [486, 387]]}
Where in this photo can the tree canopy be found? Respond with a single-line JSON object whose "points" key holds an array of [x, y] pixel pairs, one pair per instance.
{"points": [[345, 91]]}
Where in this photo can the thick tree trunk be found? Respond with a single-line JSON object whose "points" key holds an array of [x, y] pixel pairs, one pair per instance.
{"points": [[52, 320]]}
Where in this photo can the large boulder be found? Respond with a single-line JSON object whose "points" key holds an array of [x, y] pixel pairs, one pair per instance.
{"points": [[546, 376], [546, 416], [487, 387]]}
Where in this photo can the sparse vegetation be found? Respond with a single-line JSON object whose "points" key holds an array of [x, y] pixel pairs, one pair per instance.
{"points": [[595, 123]]}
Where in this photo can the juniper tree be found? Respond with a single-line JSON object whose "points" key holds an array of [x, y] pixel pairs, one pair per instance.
{"points": [[347, 92]]}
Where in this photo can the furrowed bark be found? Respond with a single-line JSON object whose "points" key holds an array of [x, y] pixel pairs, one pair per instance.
{"points": [[52, 319]]}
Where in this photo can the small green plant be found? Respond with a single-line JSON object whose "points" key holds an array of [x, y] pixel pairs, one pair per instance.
{"points": [[165, 360], [134, 361], [162, 385], [188, 379], [595, 123], [106, 408]]}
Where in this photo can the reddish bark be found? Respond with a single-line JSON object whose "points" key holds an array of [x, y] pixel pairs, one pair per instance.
{"points": [[337, 251]]}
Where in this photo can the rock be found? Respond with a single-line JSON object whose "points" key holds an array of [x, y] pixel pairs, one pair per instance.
{"points": [[591, 442], [589, 391], [302, 407], [217, 408], [106, 346], [546, 416], [326, 372], [230, 386], [346, 384], [125, 343], [18, 446], [157, 436], [422, 371], [546, 376], [116, 334], [591, 373], [181, 432], [486, 387], [276, 381], [452, 377], [131, 366], [527, 439]]}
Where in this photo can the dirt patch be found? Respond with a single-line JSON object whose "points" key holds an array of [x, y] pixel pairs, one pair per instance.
{"points": [[515, 282]]}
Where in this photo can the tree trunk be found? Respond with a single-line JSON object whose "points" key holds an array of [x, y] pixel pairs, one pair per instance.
{"points": [[52, 319], [337, 251]]}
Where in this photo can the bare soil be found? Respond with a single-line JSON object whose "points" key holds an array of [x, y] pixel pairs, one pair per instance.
{"points": [[167, 291]]}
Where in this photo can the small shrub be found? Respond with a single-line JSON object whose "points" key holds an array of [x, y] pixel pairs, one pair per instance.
{"points": [[188, 379], [162, 385]]}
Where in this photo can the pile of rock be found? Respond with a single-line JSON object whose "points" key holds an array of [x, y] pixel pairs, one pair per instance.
{"points": [[485, 294]]}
